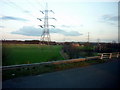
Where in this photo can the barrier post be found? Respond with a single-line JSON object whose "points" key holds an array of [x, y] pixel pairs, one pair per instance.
{"points": [[101, 56], [118, 55], [110, 56]]}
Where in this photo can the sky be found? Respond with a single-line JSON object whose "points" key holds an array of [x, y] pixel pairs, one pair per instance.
{"points": [[74, 19]]}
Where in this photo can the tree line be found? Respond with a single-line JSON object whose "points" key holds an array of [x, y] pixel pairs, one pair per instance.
{"points": [[90, 49]]}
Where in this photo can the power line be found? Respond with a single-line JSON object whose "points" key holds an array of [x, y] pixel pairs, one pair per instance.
{"points": [[39, 4], [31, 4], [12, 4]]}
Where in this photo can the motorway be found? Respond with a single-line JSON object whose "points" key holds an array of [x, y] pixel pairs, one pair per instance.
{"points": [[106, 75]]}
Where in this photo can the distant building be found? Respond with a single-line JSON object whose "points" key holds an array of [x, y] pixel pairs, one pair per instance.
{"points": [[75, 44]]}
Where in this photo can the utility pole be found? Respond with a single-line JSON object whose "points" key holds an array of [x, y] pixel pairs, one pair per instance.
{"points": [[98, 40], [88, 37], [45, 36]]}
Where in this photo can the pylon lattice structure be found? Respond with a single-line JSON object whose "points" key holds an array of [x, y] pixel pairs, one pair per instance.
{"points": [[45, 36]]}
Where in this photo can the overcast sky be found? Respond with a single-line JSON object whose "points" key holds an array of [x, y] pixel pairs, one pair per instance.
{"points": [[75, 18]]}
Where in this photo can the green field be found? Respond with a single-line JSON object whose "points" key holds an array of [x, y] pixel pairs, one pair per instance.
{"points": [[14, 54]]}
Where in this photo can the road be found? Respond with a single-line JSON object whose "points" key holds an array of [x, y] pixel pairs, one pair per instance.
{"points": [[106, 75]]}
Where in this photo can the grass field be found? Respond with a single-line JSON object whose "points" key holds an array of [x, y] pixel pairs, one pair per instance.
{"points": [[14, 54]]}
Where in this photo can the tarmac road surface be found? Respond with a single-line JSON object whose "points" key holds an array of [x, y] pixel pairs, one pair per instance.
{"points": [[106, 75]]}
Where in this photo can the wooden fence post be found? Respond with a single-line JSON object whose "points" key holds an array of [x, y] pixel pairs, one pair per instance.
{"points": [[117, 54], [110, 56], [101, 56]]}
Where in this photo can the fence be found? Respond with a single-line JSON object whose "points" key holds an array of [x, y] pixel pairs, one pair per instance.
{"points": [[26, 66], [27, 69], [110, 55]]}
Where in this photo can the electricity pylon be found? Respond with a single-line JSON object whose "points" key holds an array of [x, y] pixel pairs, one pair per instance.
{"points": [[45, 36]]}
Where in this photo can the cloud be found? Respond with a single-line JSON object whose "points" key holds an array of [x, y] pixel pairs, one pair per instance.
{"points": [[65, 26], [32, 31], [26, 11], [66, 33], [71, 26], [109, 19], [2, 27], [12, 18], [28, 31]]}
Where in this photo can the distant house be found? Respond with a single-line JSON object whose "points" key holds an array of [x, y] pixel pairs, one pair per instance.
{"points": [[75, 44]]}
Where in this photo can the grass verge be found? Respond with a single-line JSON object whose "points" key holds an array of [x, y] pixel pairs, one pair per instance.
{"points": [[40, 69]]}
